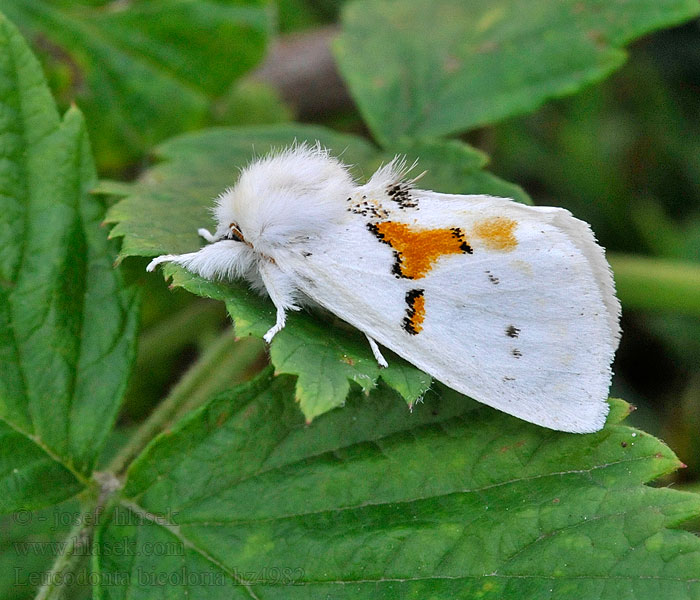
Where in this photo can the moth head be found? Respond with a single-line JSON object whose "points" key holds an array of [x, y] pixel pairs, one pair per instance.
{"points": [[284, 198]]}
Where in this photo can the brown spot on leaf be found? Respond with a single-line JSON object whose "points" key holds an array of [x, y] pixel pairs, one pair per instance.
{"points": [[451, 64], [60, 56], [598, 38], [486, 47]]}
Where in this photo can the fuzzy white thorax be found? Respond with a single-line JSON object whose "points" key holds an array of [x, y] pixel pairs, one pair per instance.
{"points": [[285, 198]]}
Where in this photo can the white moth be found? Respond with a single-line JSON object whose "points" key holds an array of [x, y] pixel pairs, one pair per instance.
{"points": [[512, 305]]}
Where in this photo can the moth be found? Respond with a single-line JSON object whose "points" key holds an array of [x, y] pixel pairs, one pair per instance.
{"points": [[510, 304]]}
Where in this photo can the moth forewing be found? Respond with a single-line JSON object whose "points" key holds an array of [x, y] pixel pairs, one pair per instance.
{"points": [[523, 329]]}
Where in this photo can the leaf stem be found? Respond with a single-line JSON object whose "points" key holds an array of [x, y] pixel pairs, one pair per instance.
{"points": [[78, 537], [78, 542], [178, 330], [225, 362], [230, 369]]}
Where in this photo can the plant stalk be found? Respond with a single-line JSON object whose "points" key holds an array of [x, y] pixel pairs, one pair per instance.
{"points": [[204, 378], [656, 284], [67, 560]]}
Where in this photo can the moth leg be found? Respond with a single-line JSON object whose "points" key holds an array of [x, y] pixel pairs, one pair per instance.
{"points": [[279, 324], [206, 235], [377, 354], [279, 288]]}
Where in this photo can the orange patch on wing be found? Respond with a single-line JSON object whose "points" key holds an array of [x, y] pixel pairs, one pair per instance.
{"points": [[418, 249], [497, 233], [415, 312]]}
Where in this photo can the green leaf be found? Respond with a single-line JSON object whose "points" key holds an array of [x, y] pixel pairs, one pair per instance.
{"points": [[66, 322], [250, 102], [163, 212], [143, 70], [30, 477], [29, 543], [453, 500], [427, 68], [294, 15]]}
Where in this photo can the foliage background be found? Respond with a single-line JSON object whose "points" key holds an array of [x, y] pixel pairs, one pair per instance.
{"points": [[623, 154]]}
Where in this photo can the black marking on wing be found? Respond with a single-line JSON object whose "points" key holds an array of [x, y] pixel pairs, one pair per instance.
{"points": [[401, 194], [367, 208], [492, 278], [396, 267], [411, 322], [463, 246]]}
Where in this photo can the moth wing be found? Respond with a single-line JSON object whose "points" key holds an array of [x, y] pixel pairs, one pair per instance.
{"points": [[526, 321]]}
